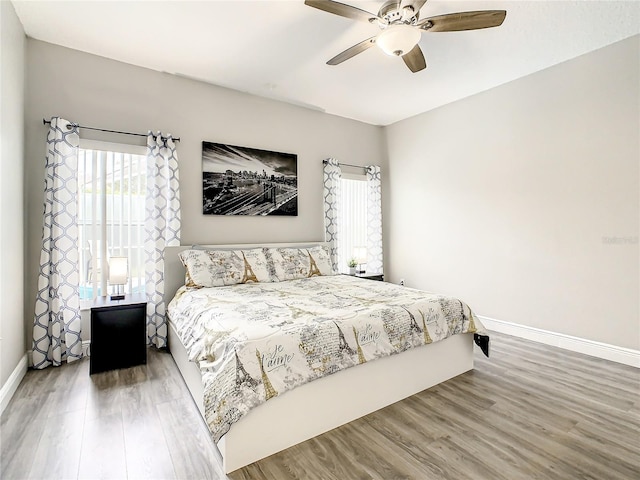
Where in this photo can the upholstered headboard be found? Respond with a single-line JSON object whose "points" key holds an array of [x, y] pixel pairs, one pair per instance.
{"points": [[174, 270]]}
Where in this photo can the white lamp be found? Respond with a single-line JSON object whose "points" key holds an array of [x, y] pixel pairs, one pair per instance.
{"points": [[398, 40], [360, 254], [118, 274]]}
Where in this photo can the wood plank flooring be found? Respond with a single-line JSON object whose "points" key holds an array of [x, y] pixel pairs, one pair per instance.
{"points": [[529, 412]]}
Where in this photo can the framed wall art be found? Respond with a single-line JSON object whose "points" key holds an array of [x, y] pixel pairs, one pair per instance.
{"points": [[248, 181]]}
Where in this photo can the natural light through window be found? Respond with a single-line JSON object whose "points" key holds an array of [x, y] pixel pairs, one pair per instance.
{"points": [[111, 214], [352, 220]]}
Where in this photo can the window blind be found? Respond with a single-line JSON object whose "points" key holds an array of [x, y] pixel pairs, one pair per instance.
{"points": [[111, 213], [352, 219]]}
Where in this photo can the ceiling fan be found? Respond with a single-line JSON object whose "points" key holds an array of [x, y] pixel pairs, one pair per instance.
{"points": [[402, 27]]}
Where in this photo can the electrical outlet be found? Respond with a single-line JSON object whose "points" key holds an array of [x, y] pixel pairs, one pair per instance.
{"points": [[401, 282]]}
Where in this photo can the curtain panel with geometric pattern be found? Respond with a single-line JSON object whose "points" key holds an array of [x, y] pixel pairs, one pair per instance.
{"points": [[57, 321], [162, 228], [331, 193], [374, 220]]}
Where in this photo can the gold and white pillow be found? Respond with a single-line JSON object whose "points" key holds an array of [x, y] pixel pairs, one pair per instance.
{"points": [[295, 263], [217, 268]]}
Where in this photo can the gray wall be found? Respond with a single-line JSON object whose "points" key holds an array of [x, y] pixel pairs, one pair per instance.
{"points": [[99, 92], [12, 65], [523, 200], [503, 198]]}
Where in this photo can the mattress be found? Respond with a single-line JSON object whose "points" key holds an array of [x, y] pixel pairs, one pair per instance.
{"points": [[253, 342]]}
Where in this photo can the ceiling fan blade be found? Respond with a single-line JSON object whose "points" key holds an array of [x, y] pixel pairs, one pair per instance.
{"points": [[342, 10], [353, 51], [415, 59], [456, 22]]}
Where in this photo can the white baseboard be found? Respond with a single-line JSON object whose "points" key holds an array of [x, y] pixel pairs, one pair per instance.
{"points": [[11, 385], [605, 351]]}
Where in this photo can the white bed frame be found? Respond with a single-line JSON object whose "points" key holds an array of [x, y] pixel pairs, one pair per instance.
{"points": [[326, 403]]}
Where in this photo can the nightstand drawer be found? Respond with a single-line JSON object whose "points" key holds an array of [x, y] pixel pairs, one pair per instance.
{"points": [[118, 334]]}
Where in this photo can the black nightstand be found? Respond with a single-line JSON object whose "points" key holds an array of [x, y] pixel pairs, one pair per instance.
{"points": [[118, 333], [371, 276]]}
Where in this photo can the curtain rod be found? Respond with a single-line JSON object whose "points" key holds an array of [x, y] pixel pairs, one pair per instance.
{"points": [[45, 122], [347, 165]]}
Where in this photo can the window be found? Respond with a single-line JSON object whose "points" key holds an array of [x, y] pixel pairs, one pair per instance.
{"points": [[111, 213], [352, 220]]}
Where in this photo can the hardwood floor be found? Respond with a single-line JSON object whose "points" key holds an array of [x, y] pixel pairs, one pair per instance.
{"points": [[529, 412]]}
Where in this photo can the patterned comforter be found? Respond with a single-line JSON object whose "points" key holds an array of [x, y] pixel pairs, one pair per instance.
{"points": [[256, 341]]}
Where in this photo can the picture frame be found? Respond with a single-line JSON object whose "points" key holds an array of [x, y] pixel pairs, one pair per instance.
{"points": [[248, 181]]}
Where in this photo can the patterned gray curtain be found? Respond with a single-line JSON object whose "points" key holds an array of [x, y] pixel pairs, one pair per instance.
{"points": [[374, 220], [331, 193], [162, 228], [57, 321]]}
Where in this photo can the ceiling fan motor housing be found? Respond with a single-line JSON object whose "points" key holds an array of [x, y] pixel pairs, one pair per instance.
{"points": [[390, 14]]}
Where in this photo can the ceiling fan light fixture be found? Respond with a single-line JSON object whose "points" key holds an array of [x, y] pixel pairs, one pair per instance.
{"points": [[398, 40]]}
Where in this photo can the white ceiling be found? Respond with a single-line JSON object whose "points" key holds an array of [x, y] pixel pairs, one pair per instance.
{"points": [[278, 48]]}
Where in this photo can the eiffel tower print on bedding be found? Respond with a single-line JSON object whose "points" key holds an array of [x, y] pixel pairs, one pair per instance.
{"points": [[255, 341]]}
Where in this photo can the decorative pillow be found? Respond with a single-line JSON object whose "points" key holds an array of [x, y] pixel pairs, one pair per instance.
{"points": [[294, 263], [216, 268], [320, 254]]}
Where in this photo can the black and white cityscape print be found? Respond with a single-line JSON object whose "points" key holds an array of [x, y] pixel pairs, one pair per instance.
{"points": [[248, 181]]}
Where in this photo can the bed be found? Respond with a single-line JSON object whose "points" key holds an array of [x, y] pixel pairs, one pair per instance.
{"points": [[284, 416]]}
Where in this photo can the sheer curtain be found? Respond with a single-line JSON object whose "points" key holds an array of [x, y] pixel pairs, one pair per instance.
{"points": [[352, 220], [162, 228], [57, 321], [331, 194], [374, 220]]}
